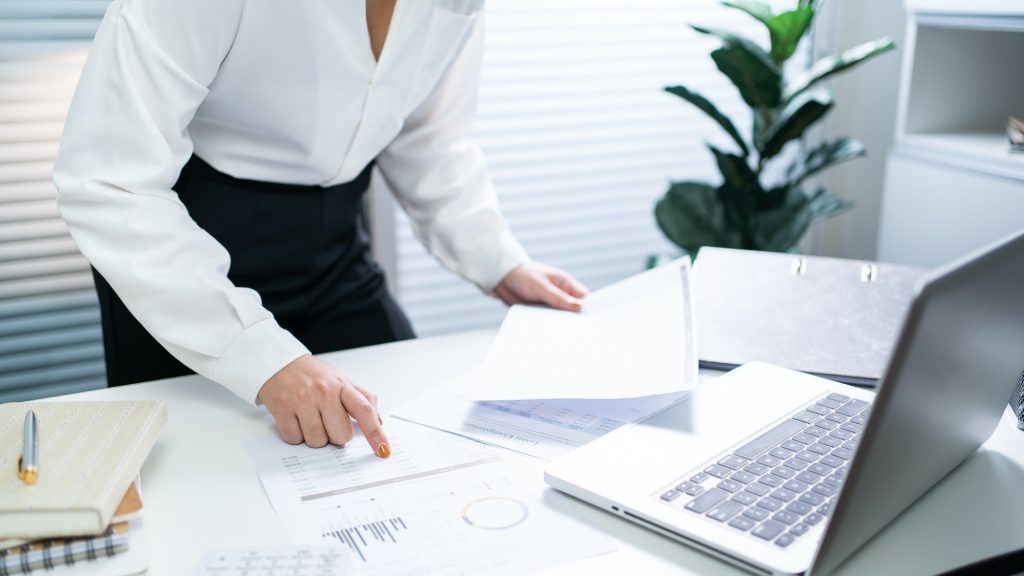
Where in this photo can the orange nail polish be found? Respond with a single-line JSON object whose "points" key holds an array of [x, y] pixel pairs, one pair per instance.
{"points": [[383, 450]]}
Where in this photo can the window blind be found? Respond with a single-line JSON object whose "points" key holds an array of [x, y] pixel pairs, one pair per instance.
{"points": [[50, 338], [581, 139]]}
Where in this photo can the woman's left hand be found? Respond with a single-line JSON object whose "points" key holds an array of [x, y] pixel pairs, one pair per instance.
{"points": [[535, 283]]}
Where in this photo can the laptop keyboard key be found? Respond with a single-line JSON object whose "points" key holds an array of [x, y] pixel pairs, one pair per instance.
{"points": [[783, 494], [852, 407], [808, 456], [707, 500], [815, 431], [770, 529], [795, 486], [698, 477], [819, 409], [825, 509], [813, 519], [804, 438], [832, 461], [793, 445], [730, 486], [717, 471], [770, 504], [798, 507], [745, 498], [841, 434], [780, 453], [806, 417], [756, 514], [755, 468], [828, 424], [733, 462], [671, 495], [844, 453], [758, 489], [796, 464], [743, 477], [859, 419], [820, 469], [725, 510], [829, 403], [825, 489], [837, 417], [770, 480], [799, 529], [819, 448], [838, 397], [695, 490], [742, 523], [834, 480], [684, 486], [851, 427], [785, 540], [785, 517], [783, 472], [808, 477], [830, 441], [768, 439], [812, 498], [768, 460]]}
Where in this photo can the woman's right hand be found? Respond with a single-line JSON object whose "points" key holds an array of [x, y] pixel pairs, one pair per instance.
{"points": [[313, 402]]}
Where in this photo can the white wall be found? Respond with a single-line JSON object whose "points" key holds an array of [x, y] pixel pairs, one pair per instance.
{"points": [[866, 99]]}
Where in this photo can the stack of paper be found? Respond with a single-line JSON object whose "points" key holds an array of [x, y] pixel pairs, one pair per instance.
{"points": [[554, 380]]}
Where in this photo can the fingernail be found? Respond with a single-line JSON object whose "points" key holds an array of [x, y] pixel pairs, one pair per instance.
{"points": [[380, 420], [383, 450]]}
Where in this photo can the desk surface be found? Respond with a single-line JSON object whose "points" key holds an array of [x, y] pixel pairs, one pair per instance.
{"points": [[202, 493]]}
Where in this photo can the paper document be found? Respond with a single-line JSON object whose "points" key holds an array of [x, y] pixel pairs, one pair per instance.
{"points": [[545, 429], [633, 338], [276, 561], [440, 505]]}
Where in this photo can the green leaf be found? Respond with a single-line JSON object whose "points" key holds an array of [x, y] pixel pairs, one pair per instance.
{"points": [[738, 193], [825, 155], [780, 229], [759, 10], [749, 68], [735, 170], [708, 108], [831, 65], [690, 216], [786, 30], [796, 117]]}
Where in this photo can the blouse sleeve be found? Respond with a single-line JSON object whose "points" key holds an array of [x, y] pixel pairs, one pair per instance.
{"points": [[123, 147], [441, 180]]}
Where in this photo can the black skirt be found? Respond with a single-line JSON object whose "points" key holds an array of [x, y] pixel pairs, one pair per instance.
{"points": [[304, 249]]}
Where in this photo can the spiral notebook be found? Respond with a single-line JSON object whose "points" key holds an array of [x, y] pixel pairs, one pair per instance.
{"points": [[89, 454]]}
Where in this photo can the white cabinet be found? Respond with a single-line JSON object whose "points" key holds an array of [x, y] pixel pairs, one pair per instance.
{"points": [[952, 184]]}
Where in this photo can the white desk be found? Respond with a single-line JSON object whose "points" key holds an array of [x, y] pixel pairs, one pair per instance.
{"points": [[201, 491]]}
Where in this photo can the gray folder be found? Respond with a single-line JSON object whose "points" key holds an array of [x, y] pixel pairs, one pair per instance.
{"points": [[827, 316]]}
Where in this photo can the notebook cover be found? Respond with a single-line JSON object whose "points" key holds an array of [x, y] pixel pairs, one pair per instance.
{"points": [[89, 454], [826, 317]]}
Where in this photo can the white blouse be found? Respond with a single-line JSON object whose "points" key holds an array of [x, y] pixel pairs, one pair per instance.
{"points": [[275, 91]]}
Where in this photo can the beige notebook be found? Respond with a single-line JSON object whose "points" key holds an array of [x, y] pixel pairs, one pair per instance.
{"points": [[89, 453]]}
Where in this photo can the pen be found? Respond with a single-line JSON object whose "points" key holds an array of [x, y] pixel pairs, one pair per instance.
{"points": [[28, 464]]}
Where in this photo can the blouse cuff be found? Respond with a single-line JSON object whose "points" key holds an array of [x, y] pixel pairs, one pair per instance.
{"points": [[493, 260], [254, 356]]}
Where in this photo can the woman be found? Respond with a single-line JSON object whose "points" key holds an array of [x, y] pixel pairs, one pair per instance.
{"points": [[211, 170]]}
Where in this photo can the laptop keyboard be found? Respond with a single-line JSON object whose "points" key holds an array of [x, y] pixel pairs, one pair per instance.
{"points": [[779, 485]]}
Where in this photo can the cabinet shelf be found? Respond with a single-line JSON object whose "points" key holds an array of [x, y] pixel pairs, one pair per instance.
{"points": [[986, 152]]}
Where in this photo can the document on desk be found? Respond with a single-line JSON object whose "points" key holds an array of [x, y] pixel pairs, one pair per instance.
{"points": [[440, 505], [545, 429], [634, 338]]}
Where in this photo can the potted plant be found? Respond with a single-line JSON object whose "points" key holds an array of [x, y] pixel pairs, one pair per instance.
{"points": [[746, 210]]}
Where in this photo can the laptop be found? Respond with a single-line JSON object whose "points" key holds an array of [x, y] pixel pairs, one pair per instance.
{"points": [[781, 472]]}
